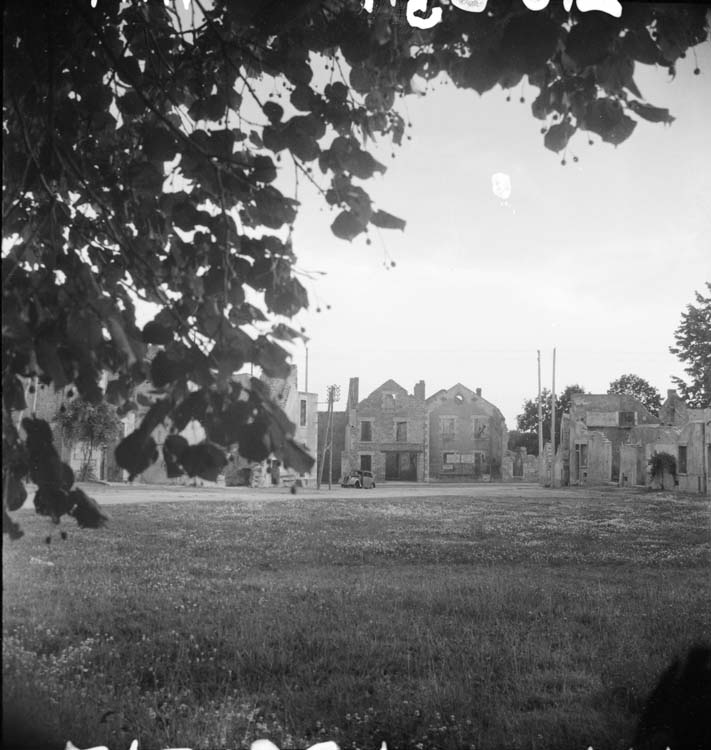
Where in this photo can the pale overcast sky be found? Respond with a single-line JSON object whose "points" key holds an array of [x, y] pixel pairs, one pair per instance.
{"points": [[598, 258]]}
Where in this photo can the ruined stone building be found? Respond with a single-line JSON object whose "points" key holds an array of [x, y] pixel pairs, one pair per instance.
{"points": [[592, 433], [683, 433], [467, 435], [299, 406], [454, 435], [611, 438], [386, 433]]}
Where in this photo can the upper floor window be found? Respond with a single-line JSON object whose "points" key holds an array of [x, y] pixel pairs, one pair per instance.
{"points": [[366, 431], [480, 427], [302, 413], [682, 459], [448, 426], [401, 432], [627, 419]]}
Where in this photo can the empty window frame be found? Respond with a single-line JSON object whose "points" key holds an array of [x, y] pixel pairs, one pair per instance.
{"points": [[366, 431], [302, 413], [448, 426], [682, 459], [480, 427], [401, 432]]}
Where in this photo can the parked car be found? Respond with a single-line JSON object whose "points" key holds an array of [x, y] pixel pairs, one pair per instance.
{"points": [[359, 478]]}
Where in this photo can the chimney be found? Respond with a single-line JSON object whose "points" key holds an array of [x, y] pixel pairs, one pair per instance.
{"points": [[353, 393], [671, 393], [478, 392], [420, 390]]}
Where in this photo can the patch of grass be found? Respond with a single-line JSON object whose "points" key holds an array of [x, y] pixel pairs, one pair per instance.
{"points": [[427, 622]]}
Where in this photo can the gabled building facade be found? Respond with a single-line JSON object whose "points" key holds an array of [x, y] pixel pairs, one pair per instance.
{"points": [[454, 435], [467, 435], [386, 433]]}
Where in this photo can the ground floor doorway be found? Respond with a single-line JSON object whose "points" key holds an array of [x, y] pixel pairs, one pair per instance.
{"points": [[401, 467]]}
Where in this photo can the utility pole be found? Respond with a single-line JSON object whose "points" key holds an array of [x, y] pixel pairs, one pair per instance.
{"points": [[540, 409], [540, 422], [334, 394], [553, 419]]}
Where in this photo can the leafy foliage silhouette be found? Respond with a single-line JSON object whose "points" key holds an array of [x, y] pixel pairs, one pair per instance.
{"points": [[140, 156], [693, 347], [527, 421], [634, 385], [93, 425]]}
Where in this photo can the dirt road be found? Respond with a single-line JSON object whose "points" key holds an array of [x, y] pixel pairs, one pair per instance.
{"points": [[121, 494]]}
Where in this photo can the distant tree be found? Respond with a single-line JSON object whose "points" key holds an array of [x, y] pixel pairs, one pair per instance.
{"points": [[527, 440], [527, 421], [634, 385], [94, 425], [693, 348]]}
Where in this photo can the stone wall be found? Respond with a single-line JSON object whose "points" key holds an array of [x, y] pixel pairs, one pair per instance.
{"points": [[519, 466]]}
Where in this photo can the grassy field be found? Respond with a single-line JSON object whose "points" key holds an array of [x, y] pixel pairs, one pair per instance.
{"points": [[499, 623]]}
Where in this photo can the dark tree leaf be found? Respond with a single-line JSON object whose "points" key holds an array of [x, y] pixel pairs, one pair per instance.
{"points": [[169, 366], [287, 298], [557, 136], [297, 457], [52, 501], [304, 98], [159, 144], [204, 460], [116, 391], [254, 442], [136, 452], [274, 112], [85, 510], [271, 358], [590, 40], [283, 331], [155, 333], [156, 415], [10, 527], [653, 114], [13, 394], [387, 221], [606, 118], [529, 41], [264, 169], [192, 407], [225, 427], [16, 494], [50, 363], [174, 448], [347, 225], [144, 177]]}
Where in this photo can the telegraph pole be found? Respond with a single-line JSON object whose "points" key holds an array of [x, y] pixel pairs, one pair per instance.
{"points": [[540, 409], [553, 419], [334, 394]]}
